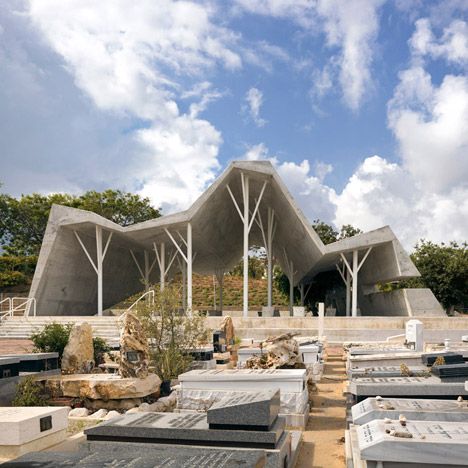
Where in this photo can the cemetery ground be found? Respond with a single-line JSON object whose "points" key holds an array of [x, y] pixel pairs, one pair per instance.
{"points": [[322, 442]]}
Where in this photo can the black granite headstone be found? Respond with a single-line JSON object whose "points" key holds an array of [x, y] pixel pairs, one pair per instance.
{"points": [[249, 410], [449, 357], [447, 371]]}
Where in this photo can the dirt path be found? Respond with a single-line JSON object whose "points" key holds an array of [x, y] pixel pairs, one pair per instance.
{"points": [[323, 439]]}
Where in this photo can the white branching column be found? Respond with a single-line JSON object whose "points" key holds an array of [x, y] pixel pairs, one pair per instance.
{"points": [[98, 266], [161, 258], [346, 277], [146, 269], [183, 270], [353, 272], [248, 221], [268, 235], [188, 257]]}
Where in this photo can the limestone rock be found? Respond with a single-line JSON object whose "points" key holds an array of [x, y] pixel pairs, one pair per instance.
{"points": [[112, 415], [78, 413], [132, 410], [78, 355], [134, 356], [278, 351], [144, 407], [103, 386], [227, 326], [99, 414]]}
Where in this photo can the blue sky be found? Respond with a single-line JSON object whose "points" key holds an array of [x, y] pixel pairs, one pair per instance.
{"points": [[362, 105]]}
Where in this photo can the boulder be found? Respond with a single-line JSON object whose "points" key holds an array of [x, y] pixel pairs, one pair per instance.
{"points": [[227, 326], [78, 355], [134, 354], [112, 415], [78, 413], [103, 386], [277, 352], [99, 414]]}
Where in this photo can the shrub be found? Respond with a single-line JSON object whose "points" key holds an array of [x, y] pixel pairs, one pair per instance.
{"points": [[172, 333], [52, 338], [100, 348], [29, 393]]}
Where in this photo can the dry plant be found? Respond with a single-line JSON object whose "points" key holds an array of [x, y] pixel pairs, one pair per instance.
{"points": [[172, 333]]}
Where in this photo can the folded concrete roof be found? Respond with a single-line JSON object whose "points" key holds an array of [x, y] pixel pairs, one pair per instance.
{"points": [[217, 241]]}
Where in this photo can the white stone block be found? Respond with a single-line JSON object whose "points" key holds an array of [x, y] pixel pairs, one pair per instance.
{"points": [[20, 425]]}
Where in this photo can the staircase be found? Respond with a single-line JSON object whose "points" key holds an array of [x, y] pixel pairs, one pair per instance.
{"points": [[22, 327]]}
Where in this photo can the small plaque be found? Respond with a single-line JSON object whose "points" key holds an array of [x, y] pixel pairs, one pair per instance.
{"points": [[45, 423]]}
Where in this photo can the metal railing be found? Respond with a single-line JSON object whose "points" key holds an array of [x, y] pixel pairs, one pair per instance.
{"points": [[25, 304], [149, 294]]}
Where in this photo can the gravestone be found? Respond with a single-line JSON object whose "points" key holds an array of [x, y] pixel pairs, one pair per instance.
{"points": [[23, 429], [421, 387], [422, 443], [409, 358], [182, 428], [9, 367], [256, 410], [386, 371], [451, 371], [414, 335], [413, 409], [145, 458], [450, 358], [36, 362]]}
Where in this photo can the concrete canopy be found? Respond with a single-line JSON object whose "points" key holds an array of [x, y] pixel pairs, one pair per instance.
{"points": [[65, 283]]}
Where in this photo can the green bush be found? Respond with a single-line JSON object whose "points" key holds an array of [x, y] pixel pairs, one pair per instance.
{"points": [[12, 278], [29, 393], [52, 338], [100, 348]]}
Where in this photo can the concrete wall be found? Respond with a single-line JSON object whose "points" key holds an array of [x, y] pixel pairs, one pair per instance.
{"points": [[401, 302]]}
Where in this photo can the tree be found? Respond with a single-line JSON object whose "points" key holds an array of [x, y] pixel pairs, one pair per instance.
{"points": [[23, 220], [257, 264], [444, 270], [326, 232]]}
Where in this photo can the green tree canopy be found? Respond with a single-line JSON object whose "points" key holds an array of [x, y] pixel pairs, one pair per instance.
{"points": [[23, 220], [444, 269], [329, 234]]}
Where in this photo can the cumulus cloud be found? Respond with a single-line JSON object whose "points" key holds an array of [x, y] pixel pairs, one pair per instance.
{"points": [[452, 45], [254, 101]]}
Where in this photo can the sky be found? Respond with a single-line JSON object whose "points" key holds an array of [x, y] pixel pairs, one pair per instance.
{"points": [[361, 105]]}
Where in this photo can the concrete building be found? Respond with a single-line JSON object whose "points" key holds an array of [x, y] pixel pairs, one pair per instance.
{"points": [[88, 263]]}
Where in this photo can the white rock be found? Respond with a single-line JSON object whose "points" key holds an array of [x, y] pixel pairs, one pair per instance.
{"points": [[144, 407], [99, 414], [111, 415], [132, 410], [78, 413]]}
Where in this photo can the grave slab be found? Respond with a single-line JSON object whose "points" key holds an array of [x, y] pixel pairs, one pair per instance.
{"points": [[429, 443], [385, 371], [287, 380], [432, 386], [411, 358], [23, 429], [143, 459], [182, 428], [413, 409], [248, 409]]}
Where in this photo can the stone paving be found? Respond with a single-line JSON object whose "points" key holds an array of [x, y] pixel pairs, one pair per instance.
{"points": [[12, 346], [323, 439]]}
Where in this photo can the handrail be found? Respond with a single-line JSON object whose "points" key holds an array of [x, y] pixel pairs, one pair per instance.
{"points": [[8, 311], [147, 293], [8, 301], [27, 306]]}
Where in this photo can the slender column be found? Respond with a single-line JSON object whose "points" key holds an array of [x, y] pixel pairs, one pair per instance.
{"points": [[219, 273], [270, 234], [99, 266], [321, 314], [348, 293], [147, 270], [189, 268], [291, 286], [301, 289], [245, 193], [355, 284], [162, 266]]}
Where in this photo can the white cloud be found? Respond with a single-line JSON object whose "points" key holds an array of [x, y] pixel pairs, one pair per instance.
{"points": [[452, 45], [350, 26], [254, 99], [131, 60]]}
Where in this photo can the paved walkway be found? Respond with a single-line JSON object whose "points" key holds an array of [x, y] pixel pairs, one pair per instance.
{"points": [[13, 346], [323, 439]]}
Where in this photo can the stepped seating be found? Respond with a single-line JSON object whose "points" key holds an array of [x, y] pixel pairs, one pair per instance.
{"points": [[22, 327]]}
